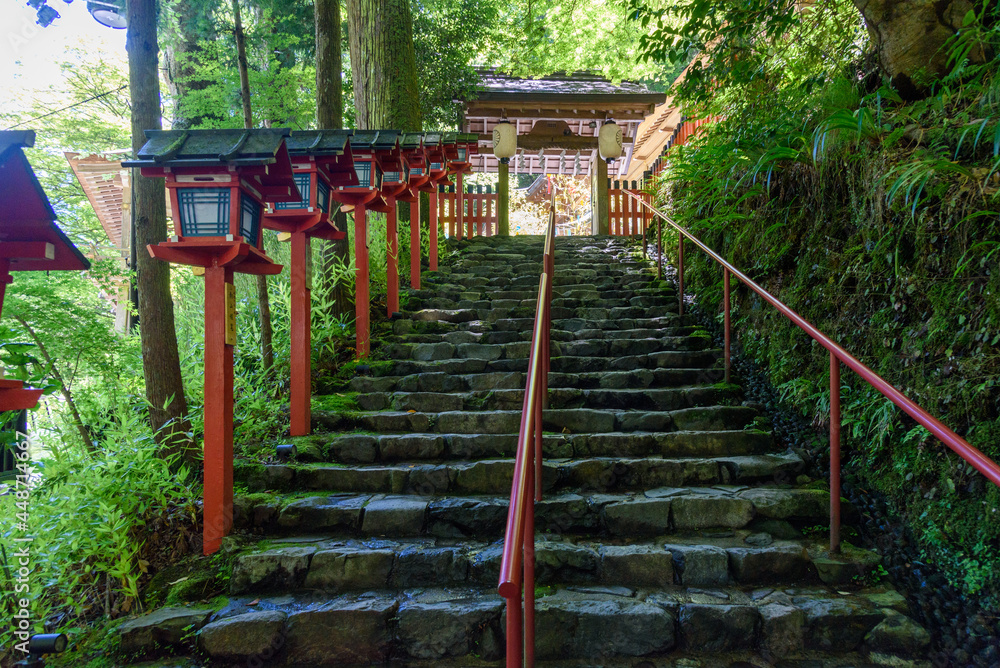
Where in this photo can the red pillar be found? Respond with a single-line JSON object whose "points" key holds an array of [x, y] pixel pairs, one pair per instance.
{"points": [[301, 362], [459, 206], [415, 248], [392, 261], [432, 225], [361, 305], [218, 461]]}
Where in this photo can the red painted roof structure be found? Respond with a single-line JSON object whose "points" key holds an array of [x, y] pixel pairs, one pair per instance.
{"points": [[26, 215]]}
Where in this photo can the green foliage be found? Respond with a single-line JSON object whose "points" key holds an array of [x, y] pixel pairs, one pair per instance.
{"points": [[873, 218], [94, 558]]}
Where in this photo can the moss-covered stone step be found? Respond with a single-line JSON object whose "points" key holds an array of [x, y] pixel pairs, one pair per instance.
{"points": [[657, 399], [597, 347], [490, 313], [469, 300], [485, 335], [743, 558], [495, 476], [366, 448], [653, 512], [511, 380], [591, 622], [579, 364], [566, 420]]}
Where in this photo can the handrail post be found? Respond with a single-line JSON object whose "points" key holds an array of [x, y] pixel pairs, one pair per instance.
{"points": [[659, 250], [725, 317], [680, 273], [834, 453], [515, 633], [534, 481]]}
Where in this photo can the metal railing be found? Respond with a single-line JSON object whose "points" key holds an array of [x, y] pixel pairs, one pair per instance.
{"points": [[960, 446], [517, 566]]}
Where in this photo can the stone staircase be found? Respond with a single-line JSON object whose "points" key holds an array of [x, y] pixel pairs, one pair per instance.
{"points": [[673, 528]]}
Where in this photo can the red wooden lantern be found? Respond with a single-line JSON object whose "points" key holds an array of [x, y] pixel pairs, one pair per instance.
{"points": [[460, 162], [415, 155], [321, 161], [29, 240], [219, 182], [437, 174], [398, 185], [373, 152]]}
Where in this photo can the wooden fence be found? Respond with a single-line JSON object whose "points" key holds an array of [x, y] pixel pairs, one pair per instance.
{"points": [[478, 216], [625, 216]]}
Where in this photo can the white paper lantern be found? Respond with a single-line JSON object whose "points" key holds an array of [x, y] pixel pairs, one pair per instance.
{"points": [[609, 141], [504, 141]]}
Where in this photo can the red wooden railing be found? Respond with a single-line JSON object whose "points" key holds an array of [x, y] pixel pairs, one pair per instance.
{"points": [[479, 212], [517, 566], [960, 446]]}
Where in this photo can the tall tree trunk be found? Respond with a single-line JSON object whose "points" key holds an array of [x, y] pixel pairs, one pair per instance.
{"points": [[160, 362], [908, 36], [330, 116], [187, 22], [383, 64], [263, 299]]}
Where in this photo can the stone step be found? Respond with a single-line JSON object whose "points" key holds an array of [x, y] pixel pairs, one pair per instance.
{"points": [[451, 626], [653, 513], [520, 350], [510, 380], [559, 304], [358, 448], [660, 399], [458, 335], [495, 476], [565, 420], [666, 359], [487, 312], [744, 558]]}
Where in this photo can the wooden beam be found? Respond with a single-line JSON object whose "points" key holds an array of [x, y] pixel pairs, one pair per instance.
{"points": [[556, 113], [541, 142]]}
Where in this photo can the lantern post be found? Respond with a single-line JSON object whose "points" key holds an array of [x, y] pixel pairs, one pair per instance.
{"points": [[218, 182], [370, 149], [504, 148], [415, 155], [30, 240], [395, 184], [438, 149], [321, 160]]}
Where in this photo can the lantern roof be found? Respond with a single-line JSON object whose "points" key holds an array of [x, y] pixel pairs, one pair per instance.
{"points": [[27, 216], [205, 148], [261, 152], [412, 141], [319, 142], [376, 140]]}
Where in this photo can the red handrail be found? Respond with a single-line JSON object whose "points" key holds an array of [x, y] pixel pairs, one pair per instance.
{"points": [[517, 566], [970, 454]]}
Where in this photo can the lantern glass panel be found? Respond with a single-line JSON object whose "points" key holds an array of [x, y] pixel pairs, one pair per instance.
{"points": [[462, 154], [204, 212], [323, 196], [437, 166], [363, 168], [249, 219], [416, 171], [377, 180], [393, 177], [304, 182]]}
